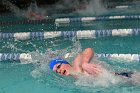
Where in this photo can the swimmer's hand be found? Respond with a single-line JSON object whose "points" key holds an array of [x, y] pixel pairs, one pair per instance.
{"points": [[92, 68]]}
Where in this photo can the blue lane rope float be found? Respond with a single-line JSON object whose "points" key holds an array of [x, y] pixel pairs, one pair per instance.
{"points": [[69, 20], [27, 57], [80, 34], [9, 56], [24, 58]]}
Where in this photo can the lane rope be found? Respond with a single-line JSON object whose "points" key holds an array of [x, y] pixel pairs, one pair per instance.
{"points": [[26, 58], [67, 20], [80, 34]]}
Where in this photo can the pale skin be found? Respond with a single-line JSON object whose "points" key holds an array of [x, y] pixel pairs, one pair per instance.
{"points": [[81, 64], [35, 16]]}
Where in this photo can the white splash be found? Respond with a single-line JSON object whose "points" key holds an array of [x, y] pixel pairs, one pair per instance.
{"points": [[41, 60], [105, 80]]}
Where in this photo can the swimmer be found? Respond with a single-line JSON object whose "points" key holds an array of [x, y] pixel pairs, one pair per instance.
{"points": [[81, 65]]}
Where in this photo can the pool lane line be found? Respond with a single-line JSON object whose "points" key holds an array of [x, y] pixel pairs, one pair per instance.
{"points": [[21, 22], [98, 18], [79, 34], [26, 58], [67, 20]]}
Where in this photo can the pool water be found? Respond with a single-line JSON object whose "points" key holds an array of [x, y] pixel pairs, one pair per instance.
{"points": [[38, 78]]}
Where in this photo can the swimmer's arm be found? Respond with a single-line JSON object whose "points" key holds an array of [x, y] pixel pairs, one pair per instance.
{"points": [[88, 67], [77, 64], [87, 55], [82, 58]]}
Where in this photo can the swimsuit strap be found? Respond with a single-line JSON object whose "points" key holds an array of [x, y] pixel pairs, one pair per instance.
{"points": [[126, 74]]}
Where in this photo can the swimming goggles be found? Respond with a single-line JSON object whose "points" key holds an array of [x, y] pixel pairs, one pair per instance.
{"points": [[58, 67]]}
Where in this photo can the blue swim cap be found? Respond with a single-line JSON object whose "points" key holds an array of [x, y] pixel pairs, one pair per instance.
{"points": [[56, 61]]}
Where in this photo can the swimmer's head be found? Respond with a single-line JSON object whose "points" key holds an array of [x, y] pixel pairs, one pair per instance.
{"points": [[60, 66], [56, 61]]}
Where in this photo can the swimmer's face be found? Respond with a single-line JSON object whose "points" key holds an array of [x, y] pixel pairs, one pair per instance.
{"points": [[63, 69]]}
